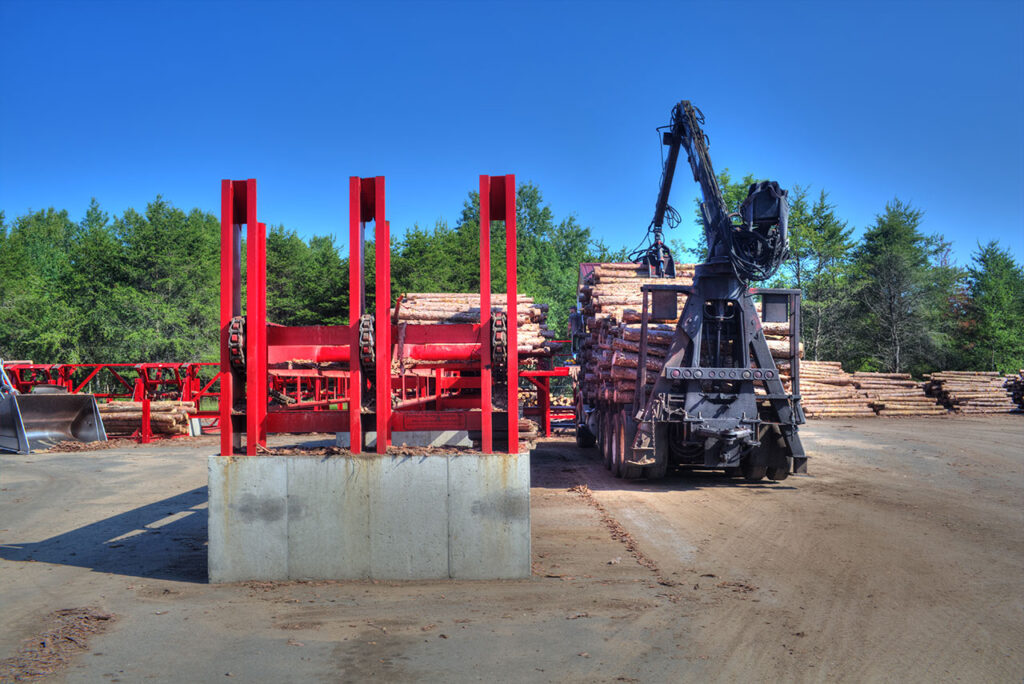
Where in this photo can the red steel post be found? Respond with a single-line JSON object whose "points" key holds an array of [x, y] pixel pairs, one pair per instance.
{"points": [[146, 428], [382, 318], [512, 313], [486, 428], [261, 350], [255, 327], [355, 310], [228, 297]]}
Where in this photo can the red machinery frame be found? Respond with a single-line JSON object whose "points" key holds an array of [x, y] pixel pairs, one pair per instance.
{"points": [[463, 348]]}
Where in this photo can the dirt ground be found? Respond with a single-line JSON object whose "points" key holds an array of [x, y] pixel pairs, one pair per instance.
{"points": [[901, 557]]}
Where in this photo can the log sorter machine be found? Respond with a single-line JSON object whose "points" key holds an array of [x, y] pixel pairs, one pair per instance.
{"points": [[387, 378]]}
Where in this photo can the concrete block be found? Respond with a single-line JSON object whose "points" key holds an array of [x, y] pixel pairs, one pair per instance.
{"points": [[465, 516], [248, 519], [328, 518], [489, 516], [341, 439], [433, 438], [408, 517], [419, 438]]}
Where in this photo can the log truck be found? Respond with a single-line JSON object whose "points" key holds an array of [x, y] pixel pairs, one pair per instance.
{"points": [[702, 409]]}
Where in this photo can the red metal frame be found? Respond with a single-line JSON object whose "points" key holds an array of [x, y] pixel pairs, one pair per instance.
{"points": [[456, 349], [131, 381]]}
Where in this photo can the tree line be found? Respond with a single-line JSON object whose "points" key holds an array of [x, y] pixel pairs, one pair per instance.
{"points": [[894, 300], [144, 286]]}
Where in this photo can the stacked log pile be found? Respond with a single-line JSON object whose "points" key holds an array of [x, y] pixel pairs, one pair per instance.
{"points": [[613, 290], [440, 308], [165, 417], [1015, 387], [970, 391], [896, 394], [828, 391], [611, 302]]}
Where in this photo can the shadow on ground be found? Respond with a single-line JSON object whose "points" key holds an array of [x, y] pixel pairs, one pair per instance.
{"points": [[563, 464], [161, 540]]}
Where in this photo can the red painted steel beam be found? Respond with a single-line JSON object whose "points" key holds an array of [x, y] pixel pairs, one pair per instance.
{"points": [[509, 186], [454, 333], [418, 421], [560, 372], [382, 318], [355, 307], [443, 352], [255, 328], [487, 438], [232, 216], [306, 421]]}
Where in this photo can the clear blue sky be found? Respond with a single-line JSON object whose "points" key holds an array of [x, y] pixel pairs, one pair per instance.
{"points": [[125, 100]]}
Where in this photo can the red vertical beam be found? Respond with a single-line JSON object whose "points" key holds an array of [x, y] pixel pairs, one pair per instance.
{"points": [[486, 428], [355, 310], [253, 379], [382, 317], [146, 428], [228, 267], [512, 313], [545, 405], [261, 350]]}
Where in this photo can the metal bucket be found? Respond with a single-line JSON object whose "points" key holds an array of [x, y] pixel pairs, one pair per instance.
{"points": [[38, 421]]}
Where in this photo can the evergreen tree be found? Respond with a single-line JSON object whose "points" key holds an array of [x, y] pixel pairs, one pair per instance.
{"points": [[825, 248], [992, 337], [893, 291]]}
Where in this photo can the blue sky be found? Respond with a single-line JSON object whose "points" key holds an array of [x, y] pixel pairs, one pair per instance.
{"points": [[125, 100]]}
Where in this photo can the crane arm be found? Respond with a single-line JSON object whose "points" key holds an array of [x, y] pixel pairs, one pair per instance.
{"points": [[756, 246]]}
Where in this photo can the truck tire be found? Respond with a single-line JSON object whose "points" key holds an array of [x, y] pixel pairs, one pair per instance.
{"points": [[622, 441], [753, 473], [585, 439], [777, 474], [605, 441]]}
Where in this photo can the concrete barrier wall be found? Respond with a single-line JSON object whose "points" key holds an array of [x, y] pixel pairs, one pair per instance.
{"points": [[460, 516]]}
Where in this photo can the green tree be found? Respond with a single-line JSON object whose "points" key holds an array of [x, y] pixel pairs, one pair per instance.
{"points": [[822, 259], [36, 318], [992, 336], [165, 301], [895, 292]]}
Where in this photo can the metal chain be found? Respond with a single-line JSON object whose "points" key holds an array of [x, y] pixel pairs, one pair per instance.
{"points": [[236, 343]]}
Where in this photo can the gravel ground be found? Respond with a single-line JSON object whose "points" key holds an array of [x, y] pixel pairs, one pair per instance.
{"points": [[899, 557]]}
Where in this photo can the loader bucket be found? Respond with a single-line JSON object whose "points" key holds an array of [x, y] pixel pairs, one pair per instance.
{"points": [[38, 421]]}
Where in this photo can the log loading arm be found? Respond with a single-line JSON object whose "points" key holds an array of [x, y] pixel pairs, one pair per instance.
{"points": [[701, 410]]}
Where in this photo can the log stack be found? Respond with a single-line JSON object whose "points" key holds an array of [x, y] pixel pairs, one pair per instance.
{"points": [[611, 302], [970, 391], [828, 391], [165, 417], [1015, 387], [896, 394], [613, 290], [441, 308]]}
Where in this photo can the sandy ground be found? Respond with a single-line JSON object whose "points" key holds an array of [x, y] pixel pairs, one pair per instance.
{"points": [[901, 557]]}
